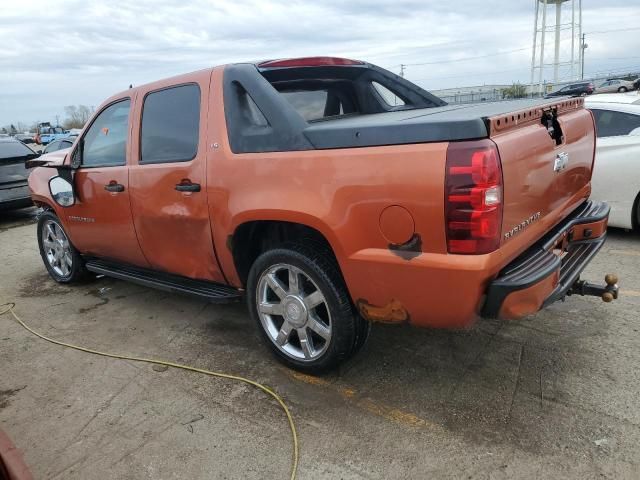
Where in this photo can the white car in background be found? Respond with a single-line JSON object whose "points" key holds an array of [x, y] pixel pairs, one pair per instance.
{"points": [[616, 173]]}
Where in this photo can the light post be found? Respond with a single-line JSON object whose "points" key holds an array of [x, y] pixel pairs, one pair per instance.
{"points": [[583, 47]]}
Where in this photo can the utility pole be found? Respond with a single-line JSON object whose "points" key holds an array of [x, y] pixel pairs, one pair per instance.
{"points": [[583, 47], [402, 65]]}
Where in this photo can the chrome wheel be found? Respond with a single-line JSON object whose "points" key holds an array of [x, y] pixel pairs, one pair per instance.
{"points": [[57, 249], [293, 311]]}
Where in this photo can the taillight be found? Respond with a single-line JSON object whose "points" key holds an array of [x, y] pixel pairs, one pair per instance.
{"points": [[473, 197]]}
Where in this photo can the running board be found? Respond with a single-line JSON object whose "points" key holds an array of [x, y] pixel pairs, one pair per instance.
{"points": [[213, 292]]}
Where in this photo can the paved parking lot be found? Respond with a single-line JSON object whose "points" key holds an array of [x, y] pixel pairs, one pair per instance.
{"points": [[552, 396]]}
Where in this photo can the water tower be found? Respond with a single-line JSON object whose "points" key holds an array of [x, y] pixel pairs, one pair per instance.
{"points": [[567, 29]]}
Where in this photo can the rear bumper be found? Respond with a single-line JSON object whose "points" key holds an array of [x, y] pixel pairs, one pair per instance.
{"points": [[546, 272]]}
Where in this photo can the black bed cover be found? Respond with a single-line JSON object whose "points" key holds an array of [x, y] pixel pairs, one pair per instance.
{"points": [[437, 124]]}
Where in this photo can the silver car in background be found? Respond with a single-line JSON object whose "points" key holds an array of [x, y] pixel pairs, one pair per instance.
{"points": [[615, 85]]}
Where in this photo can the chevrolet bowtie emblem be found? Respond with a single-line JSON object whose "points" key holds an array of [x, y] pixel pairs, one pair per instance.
{"points": [[562, 159]]}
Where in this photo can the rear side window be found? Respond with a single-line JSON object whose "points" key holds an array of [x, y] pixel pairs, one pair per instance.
{"points": [[105, 143], [613, 124], [170, 125], [251, 114]]}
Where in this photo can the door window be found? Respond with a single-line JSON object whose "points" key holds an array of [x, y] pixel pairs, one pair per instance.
{"points": [[170, 125], [105, 143], [612, 124]]}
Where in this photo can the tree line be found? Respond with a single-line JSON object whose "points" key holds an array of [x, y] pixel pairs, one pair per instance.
{"points": [[75, 117]]}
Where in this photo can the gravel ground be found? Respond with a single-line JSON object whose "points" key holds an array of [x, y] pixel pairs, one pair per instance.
{"points": [[551, 396]]}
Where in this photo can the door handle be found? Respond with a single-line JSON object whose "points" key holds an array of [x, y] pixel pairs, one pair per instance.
{"points": [[187, 186], [114, 187]]}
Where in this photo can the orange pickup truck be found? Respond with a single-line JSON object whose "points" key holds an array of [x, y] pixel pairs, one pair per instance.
{"points": [[331, 194]]}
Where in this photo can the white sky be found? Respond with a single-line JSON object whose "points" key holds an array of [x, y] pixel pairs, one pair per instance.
{"points": [[68, 52]]}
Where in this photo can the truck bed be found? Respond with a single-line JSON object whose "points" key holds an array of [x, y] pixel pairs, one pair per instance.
{"points": [[437, 124]]}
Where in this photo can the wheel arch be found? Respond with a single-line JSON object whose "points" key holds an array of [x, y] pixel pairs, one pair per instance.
{"points": [[252, 237], [635, 213], [44, 203]]}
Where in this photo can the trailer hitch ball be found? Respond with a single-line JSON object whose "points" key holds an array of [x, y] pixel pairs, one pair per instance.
{"points": [[607, 297], [607, 292], [611, 292]]}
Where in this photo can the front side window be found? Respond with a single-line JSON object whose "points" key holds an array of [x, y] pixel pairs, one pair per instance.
{"points": [[170, 125], [105, 143], [613, 124]]}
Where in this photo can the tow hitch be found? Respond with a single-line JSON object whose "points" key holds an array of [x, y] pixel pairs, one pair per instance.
{"points": [[608, 292]]}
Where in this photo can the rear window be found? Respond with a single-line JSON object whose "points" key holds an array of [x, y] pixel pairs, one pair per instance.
{"points": [[13, 149], [315, 104]]}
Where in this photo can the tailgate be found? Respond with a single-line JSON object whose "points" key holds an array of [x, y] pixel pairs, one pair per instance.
{"points": [[547, 156]]}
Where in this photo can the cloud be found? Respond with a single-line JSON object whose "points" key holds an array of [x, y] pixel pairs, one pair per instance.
{"points": [[81, 52]]}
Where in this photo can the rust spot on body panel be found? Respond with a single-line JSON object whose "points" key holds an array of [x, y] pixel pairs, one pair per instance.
{"points": [[393, 312]]}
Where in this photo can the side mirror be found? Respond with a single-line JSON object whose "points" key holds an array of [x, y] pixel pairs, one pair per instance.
{"points": [[62, 191], [635, 132]]}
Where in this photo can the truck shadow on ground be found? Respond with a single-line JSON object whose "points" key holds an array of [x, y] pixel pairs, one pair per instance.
{"points": [[496, 380]]}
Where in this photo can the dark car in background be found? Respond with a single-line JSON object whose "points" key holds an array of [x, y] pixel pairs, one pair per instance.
{"points": [[577, 89], [14, 189]]}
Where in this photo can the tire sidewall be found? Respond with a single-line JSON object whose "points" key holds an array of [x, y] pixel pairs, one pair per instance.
{"points": [[77, 268], [342, 317]]}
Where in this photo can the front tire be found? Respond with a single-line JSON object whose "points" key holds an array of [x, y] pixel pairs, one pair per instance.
{"points": [[301, 306], [61, 259]]}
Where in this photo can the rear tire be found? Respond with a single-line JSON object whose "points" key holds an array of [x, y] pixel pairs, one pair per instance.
{"points": [[60, 257], [299, 301], [622, 89]]}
